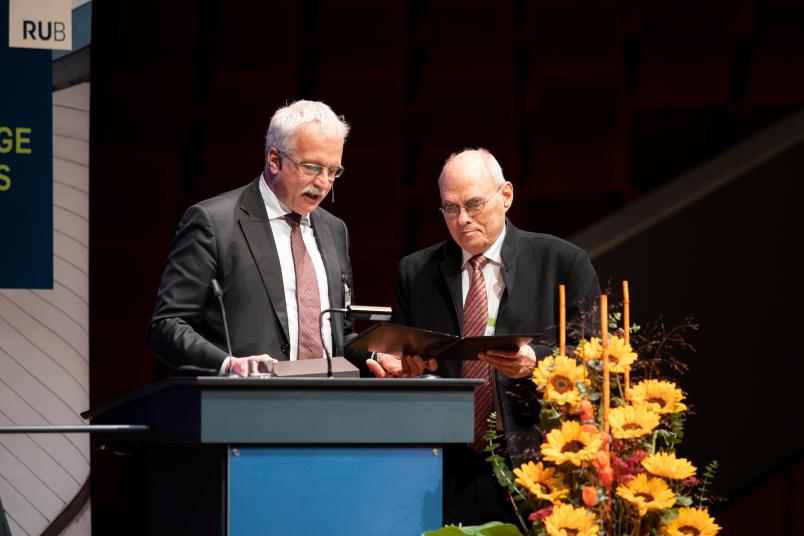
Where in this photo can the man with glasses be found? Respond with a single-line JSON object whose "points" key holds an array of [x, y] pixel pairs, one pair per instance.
{"points": [[279, 258], [489, 278]]}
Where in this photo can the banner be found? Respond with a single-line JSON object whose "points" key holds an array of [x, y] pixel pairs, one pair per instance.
{"points": [[26, 162]]}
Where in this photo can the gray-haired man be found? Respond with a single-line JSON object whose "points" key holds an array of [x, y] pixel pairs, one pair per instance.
{"points": [[279, 258]]}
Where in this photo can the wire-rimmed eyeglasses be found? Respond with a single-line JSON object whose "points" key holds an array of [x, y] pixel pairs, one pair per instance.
{"points": [[472, 207], [311, 168]]}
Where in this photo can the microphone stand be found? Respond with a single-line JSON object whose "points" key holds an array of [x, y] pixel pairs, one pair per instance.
{"points": [[355, 312], [216, 289]]}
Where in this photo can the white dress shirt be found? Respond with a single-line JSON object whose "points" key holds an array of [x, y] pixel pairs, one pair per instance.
{"points": [[492, 273], [281, 231]]}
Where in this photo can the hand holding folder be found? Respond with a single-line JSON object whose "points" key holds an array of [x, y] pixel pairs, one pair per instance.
{"points": [[403, 340]]}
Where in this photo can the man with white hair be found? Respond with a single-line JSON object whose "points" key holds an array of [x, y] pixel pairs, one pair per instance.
{"points": [[488, 278], [279, 258]]}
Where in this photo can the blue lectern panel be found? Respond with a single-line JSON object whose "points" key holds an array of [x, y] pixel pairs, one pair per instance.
{"points": [[334, 491]]}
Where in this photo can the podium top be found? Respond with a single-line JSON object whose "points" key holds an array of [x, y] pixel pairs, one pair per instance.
{"points": [[226, 382], [298, 410]]}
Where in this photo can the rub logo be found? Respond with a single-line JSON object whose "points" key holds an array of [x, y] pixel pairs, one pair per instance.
{"points": [[43, 24], [43, 31]]}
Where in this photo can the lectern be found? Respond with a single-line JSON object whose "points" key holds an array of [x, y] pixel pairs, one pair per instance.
{"points": [[253, 456]]}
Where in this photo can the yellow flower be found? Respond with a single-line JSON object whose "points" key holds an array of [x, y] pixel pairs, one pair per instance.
{"points": [[628, 422], [691, 521], [658, 395], [647, 493], [558, 377], [665, 464], [589, 350], [566, 519], [621, 355], [570, 444], [540, 482]]}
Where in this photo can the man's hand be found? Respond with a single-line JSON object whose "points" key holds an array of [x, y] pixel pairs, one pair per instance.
{"points": [[253, 365], [514, 364], [408, 366]]}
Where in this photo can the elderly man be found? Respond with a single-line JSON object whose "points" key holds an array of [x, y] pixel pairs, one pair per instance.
{"points": [[279, 258], [490, 277]]}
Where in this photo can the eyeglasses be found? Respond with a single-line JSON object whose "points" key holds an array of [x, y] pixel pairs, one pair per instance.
{"points": [[312, 169], [472, 207]]}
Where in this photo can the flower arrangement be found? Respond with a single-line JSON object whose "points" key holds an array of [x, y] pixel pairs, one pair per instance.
{"points": [[607, 463]]}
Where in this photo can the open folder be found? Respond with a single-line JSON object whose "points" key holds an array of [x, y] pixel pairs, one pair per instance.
{"points": [[403, 340]]}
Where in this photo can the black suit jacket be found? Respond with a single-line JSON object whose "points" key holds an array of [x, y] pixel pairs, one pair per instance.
{"points": [[428, 296], [229, 238]]}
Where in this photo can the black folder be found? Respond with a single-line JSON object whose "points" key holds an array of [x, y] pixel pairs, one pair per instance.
{"points": [[403, 340]]}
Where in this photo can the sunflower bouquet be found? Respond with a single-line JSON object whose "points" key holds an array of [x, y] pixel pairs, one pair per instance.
{"points": [[607, 464]]}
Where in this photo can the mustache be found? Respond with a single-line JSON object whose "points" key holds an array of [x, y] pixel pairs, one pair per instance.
{"points": [[314, 190]]}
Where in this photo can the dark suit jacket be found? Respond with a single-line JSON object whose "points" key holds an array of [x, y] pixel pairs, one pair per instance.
{"points": [[229, 238], [428, 296]]}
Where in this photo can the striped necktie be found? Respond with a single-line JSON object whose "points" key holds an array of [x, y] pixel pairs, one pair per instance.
{"points": [[475, 319], [308, 299]]}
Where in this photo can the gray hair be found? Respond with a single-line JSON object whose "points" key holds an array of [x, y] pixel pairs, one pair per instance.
{"points": [[287, 121], [490, 162]]}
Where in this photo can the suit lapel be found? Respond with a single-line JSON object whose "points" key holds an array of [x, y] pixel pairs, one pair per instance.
{"points": [[451, 272], [332, 265], [260, 239], [508, 271]]}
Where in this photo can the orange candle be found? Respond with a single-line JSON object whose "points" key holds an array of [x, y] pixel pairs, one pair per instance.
{"points": [[562, 320], [604, 343], [626, 314], [626, 331]]}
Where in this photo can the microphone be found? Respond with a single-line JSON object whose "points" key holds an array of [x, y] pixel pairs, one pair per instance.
{"points": [[216, 288], [356, 312]]}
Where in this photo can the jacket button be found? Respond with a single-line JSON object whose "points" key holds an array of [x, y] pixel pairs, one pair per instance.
{"points": [[285, 348]]}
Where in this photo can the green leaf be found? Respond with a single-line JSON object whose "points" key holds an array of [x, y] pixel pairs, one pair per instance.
{"points": [[495, 528], [668, 516], [708, 476], [683, 501]]}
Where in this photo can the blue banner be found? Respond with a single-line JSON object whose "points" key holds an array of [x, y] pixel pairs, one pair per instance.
{"points": [[26, 164]]}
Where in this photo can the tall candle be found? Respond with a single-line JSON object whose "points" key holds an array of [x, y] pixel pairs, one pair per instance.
{"points": [[626, 331], [562, 320], [604, 343]]}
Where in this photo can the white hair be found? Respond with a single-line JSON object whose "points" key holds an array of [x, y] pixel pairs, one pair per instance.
{"points": [[287, 121], [488, 159]]}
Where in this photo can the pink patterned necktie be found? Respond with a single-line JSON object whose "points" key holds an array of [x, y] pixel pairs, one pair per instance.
{"points": [[308, 299], [475, 319]]}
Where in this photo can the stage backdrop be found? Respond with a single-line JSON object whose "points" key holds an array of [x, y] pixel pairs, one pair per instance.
{"points": [[44, 267]]}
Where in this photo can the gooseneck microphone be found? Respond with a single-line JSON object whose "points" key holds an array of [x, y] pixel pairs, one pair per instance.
{"points": [[216, 288]]}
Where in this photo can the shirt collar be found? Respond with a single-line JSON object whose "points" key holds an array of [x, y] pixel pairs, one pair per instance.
{"points": [[493, 253], [276, 209]]}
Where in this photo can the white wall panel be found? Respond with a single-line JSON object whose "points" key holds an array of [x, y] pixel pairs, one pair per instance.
{"points": [[44, 345]]}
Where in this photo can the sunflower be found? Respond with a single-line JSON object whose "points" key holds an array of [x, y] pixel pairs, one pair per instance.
{"points": [[540, 482], [691, 521], [558, 378], [589, 350], [621, 355], [647, 493], [658, 395], [665, 464], [628, 422], [570, 444], [566, 519]]}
